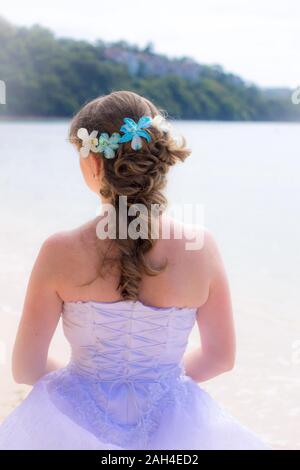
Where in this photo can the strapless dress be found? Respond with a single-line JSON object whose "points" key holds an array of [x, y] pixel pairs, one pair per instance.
{"points": [[124, 388]]}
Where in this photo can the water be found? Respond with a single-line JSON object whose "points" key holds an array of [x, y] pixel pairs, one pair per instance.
{"points": [[246, 175]]}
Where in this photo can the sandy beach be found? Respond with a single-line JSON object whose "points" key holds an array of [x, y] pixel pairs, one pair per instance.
{"points": [[262, 391]]}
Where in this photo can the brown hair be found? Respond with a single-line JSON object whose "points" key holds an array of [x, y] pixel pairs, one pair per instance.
{"points": [[140, 175]]}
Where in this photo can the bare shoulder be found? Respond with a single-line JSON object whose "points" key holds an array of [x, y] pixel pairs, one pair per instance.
{"points": [[71, 239], [194, 248], [64, 251], [194, 241], [191, 253], [60, 242]]}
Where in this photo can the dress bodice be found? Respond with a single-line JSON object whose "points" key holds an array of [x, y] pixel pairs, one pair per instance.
{"points": [[125, 369], [126, 339]]}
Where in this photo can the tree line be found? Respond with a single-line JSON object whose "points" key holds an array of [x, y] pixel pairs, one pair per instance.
{"points": [[47, 76]]}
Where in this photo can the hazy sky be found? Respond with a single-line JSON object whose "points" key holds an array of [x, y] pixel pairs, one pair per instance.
{"points": [[257, 39]]}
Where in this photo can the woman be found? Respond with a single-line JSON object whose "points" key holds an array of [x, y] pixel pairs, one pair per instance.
{"points": [[129, 292]]}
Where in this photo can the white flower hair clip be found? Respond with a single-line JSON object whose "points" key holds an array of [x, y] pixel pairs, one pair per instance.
{"points": [[89, 141], [161, 123]]}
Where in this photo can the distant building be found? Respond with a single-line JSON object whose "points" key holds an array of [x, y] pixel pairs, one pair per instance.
{"points": [[146, 63]]}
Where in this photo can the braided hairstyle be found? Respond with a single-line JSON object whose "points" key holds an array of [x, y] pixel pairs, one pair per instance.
{"points": [[140, 175]]}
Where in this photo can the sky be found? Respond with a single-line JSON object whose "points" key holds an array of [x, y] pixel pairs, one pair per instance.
{"points": [[256, 39]]}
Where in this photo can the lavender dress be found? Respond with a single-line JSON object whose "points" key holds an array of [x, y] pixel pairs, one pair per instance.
{"points": [[124, 388]]}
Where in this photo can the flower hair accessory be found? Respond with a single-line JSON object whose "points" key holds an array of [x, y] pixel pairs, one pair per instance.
{"points": [[134, 131], [107, 145], [89, 141], [161, 123]]}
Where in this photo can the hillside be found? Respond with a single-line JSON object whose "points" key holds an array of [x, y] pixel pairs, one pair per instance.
{"points": [[52, 77]]}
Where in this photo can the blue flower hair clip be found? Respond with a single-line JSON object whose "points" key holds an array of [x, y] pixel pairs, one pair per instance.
{"points": [[108, 144], [135, 131]]}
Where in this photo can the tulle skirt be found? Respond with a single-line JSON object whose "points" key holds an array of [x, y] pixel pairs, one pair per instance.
{"points": [[67, 411]]}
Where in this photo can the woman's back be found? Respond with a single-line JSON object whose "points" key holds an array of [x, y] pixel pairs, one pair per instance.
{"points": [[79, 265]]}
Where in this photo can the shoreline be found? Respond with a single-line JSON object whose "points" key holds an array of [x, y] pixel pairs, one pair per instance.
{"points": [[49, 119]]}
